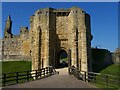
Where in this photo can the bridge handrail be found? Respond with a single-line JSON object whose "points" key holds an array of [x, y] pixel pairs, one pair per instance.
{"points": [[108, 80], [15, 77]]}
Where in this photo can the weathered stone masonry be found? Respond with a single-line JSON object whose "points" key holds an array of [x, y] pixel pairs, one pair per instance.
{"points": [[50, 32], [15, 47], [55, 30]]}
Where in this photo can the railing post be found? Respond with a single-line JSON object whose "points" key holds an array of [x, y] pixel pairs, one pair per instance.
{"points": [[47, 70], [51, 70], [17, 77], [36, 75], [85, 77], [94, 78], [69, 71], [72, 71], [106, 79], [4, 75], [44, 71], [27, 75], [40, 72]]}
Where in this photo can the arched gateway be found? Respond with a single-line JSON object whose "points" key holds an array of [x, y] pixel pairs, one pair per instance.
{"points": [[64, 29]]}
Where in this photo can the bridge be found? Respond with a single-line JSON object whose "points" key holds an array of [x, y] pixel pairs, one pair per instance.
{"points": [[61, 80]]}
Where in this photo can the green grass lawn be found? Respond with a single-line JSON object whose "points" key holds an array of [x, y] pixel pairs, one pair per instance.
{"points": [[112, 70], [18, 66], [15, 66]]}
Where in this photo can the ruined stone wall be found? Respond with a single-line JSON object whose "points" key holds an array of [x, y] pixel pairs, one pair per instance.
{"points": [[62, 30], [80, 39], [16, 48], [40, 38], [11, 46]]}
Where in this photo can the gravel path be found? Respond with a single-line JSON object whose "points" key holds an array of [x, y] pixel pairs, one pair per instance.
{"points": [[61, 80]]}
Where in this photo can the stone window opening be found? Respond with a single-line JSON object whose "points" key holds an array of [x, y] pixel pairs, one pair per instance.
{"points": [[30, 52], [64, 14], [82, 11], [58, 14]]}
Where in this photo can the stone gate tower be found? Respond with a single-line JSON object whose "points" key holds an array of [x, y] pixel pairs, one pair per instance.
{"points": [[54, 30]]}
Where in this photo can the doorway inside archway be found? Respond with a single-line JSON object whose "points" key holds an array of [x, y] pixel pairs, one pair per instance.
{"points": [[63, 59]]}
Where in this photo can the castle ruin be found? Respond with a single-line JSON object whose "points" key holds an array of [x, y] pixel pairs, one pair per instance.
{"points": [[15, 47], [51, 32]]}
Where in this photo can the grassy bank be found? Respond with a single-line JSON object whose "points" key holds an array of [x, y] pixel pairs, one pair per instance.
{"points": [[111, 70], [15, 66]]}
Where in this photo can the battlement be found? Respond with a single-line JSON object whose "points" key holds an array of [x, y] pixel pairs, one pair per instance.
{"points": [[23, 30]]}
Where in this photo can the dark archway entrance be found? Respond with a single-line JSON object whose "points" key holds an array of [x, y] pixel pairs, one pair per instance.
{"points": [[62, 59]]}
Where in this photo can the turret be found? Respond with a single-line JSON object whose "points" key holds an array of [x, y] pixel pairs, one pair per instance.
{"points": [[8, 26]]}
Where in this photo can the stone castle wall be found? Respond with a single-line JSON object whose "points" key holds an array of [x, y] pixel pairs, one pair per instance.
{"points": [[101, 58], [17, 47], [55, 30], [50, 32]]}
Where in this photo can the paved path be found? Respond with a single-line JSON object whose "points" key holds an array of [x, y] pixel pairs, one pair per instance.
{"points": [[61, 80]]}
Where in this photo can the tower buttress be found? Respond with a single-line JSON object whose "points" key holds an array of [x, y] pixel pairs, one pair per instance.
{"points": [[8, 26]]}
